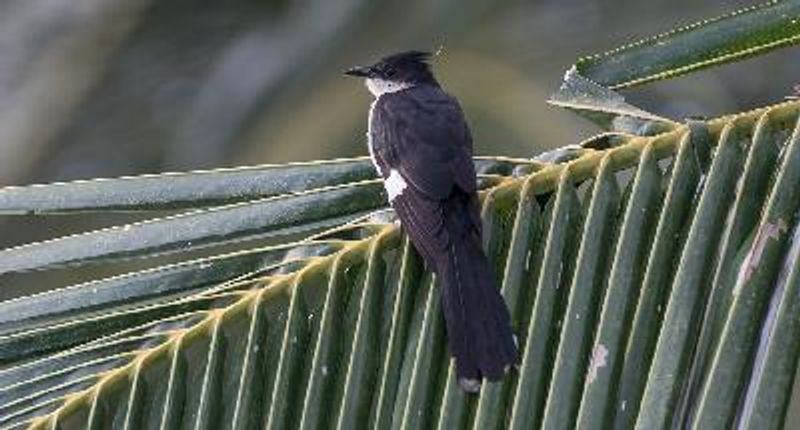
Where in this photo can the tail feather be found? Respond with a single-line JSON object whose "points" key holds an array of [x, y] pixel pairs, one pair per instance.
{"points": [[478, 324], [447, 235]]}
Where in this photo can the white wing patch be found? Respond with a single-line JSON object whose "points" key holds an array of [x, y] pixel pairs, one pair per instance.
{"points": [[394, 184]]}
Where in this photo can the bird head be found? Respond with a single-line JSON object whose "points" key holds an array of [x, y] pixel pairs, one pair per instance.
{"points": [[396, 72]]}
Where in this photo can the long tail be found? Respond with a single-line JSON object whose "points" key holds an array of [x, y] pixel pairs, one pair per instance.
{"points": [[478, 324]]}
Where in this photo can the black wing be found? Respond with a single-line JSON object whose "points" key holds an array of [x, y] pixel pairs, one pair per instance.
{"points": [[422, 133]]}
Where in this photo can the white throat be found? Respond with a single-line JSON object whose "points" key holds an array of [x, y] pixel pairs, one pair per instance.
{"points": [[378, 87]]}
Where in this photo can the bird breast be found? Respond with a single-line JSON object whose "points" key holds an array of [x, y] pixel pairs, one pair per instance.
{"points": [[370, 144]]}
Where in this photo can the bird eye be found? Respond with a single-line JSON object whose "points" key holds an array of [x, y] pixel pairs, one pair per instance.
{"points": [[389, 73]]}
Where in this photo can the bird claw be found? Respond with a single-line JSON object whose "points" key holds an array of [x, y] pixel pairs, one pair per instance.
{"points": [[795, 93], [471, 386]]}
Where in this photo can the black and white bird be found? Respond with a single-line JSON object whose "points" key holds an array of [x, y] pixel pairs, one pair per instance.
{"points": [[421, 146]]}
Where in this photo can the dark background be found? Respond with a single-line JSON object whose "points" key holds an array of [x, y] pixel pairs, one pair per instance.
{"points": [[98, 88]]}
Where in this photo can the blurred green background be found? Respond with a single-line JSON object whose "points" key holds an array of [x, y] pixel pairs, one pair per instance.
{"points": [[92, 88]]}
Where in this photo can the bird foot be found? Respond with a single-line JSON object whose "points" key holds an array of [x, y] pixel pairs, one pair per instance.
{"points": [[471, 386]]}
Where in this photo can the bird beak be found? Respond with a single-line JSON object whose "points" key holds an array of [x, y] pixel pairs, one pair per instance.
{"points": [[362, 71]]}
